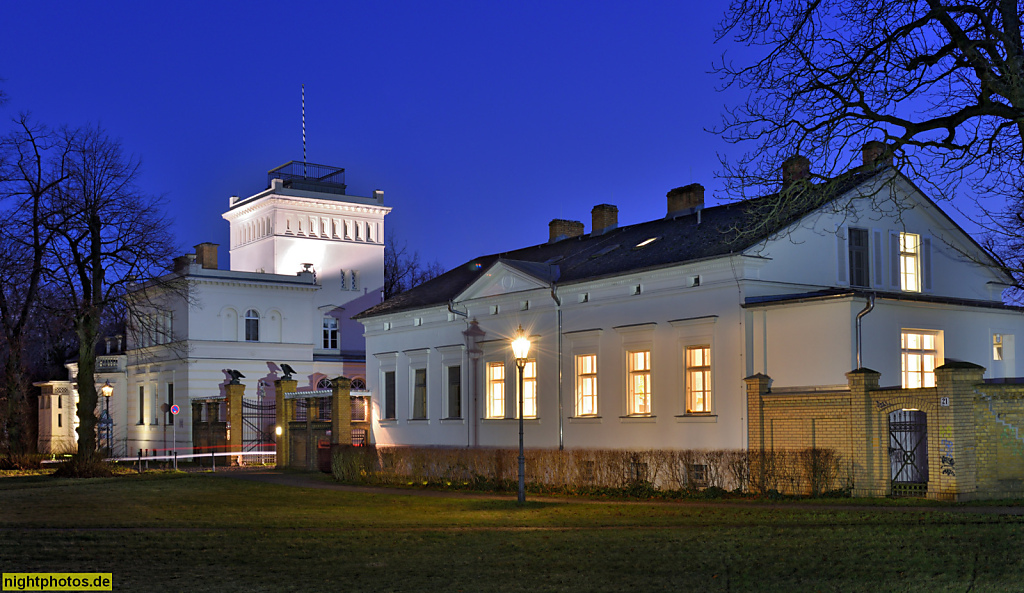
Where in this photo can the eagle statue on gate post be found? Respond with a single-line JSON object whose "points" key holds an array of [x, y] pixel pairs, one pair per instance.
{"points": [[287, 370], [235, 376]]}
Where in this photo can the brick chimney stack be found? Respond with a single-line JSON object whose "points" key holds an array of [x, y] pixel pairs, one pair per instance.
{"points": [[564, 229], [794, 169], [206, 255], [871, 154], [685, 198], [605, 218]]}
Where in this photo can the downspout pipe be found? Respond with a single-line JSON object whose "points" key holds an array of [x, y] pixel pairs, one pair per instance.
{"points": [[867, 309], [561, 413]]}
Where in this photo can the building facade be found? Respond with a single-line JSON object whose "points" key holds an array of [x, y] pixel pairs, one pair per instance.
{"points": [[304, 258], [643, 335]]}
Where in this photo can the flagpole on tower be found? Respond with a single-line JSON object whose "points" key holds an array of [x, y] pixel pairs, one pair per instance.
{"points": [[303, 130]]}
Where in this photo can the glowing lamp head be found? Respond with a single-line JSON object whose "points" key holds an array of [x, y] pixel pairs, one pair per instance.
{"points": [[278, 431], [520, 345], [107, 390]]}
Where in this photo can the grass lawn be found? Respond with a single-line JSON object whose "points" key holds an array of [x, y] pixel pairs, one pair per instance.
{"points": [[200, 532]]}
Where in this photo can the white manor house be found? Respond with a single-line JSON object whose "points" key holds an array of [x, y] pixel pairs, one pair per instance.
{"points": [[304, 258]]}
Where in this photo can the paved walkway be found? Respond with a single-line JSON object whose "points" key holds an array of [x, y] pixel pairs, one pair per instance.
{"points": [[323, 481]]}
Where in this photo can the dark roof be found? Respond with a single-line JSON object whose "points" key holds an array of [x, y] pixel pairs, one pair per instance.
{"points": [[837, 293], [721, 230]]}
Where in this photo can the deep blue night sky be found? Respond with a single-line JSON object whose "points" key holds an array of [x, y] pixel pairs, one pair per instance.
{"points": [[481, 121]]}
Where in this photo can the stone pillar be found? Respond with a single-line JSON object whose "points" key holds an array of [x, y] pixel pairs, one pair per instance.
{"points": [[284, 418], [757, 386], [341, 412], [235, 394], [952, 441], [869, 438]]}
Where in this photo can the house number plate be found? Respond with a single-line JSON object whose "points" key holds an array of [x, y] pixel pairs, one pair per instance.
{"points": [[944, 401]]}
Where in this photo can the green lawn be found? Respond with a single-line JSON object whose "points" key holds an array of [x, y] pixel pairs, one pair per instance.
{"points": [[165, 532]]}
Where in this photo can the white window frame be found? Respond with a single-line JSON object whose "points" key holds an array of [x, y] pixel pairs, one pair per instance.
{"points": [[910, 262], [695, 387], [638, 382], [330, 333], [920, 354], [529, 389], [585, 367], [251, 331], [495, 390]]}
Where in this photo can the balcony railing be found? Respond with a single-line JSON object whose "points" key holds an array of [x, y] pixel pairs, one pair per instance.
{"points": [[309, 177]]}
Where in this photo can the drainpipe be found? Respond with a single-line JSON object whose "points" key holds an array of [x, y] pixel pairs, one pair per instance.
{"points": [[561, 414], [867, 309]]}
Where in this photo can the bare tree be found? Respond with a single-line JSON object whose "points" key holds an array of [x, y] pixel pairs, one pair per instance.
{"points": [[109, 236], [404, 270], [940, 84], [33, 162]]}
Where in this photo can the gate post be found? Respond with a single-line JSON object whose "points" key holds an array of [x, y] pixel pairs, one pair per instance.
{"points": [[957, 474], [284, 418], [235, 394], [341, 411], [869, 436]]}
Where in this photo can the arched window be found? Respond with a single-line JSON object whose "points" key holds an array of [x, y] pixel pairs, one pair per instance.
{"points": [[252, 326], [358, 384], [324, 383]]}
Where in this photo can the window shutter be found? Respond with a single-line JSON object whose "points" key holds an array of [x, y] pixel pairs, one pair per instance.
{"points": [[894, 260], [841, 256], [879, 259], [926, 263]]}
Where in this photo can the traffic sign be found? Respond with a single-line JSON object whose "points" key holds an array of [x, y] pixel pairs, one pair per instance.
{"points": [[175, 409]]}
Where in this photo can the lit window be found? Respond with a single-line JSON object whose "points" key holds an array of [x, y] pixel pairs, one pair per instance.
{"points": [[910, 272], [330, 341], [586, 385], [252, 326], [495, 390], [529, 390], [920, 353], [698, 379], [419, 394], [639, 388], [997, 346]]}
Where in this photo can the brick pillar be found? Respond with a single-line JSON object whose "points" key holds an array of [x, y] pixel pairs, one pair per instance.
{"points": [[869, 437], [757, 386], [341, 412], [235, 394], [951, 437], [284, 418]]}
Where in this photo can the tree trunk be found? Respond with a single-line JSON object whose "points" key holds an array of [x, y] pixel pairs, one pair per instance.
{"points": [[15, 409], [87, 329]]}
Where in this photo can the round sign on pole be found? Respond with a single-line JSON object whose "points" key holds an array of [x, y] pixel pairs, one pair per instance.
{"points": [[175, 409]]}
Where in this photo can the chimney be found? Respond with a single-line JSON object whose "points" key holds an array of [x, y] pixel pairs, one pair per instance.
{"points": [[794, 169], [182, 262], [684, 198], [206, 255], [378, 195], [871, 152], [559, 229], [605, 218]]}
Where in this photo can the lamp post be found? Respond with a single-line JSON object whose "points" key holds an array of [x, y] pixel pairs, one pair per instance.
{"points": [[521, 349], [107, 390]]}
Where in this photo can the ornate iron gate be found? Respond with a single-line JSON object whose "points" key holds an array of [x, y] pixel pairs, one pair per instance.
{"points": [[258, 421], [908, 452]]}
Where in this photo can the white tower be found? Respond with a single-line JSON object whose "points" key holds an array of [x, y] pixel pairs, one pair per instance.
{"points": [[304, 220]]}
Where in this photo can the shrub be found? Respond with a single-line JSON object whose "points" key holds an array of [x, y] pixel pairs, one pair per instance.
{"points": [[642, 473], [84, 464]]}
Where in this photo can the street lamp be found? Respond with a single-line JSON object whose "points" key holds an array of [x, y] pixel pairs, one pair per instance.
{"points": [[107, 390], [521, 349]]}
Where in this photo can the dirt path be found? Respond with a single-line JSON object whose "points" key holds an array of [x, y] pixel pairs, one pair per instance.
{"points": [[322, 481]]}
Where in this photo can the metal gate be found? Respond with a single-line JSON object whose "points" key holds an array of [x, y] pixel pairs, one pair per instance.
{"points": [[258, 422], [908, 452]]}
